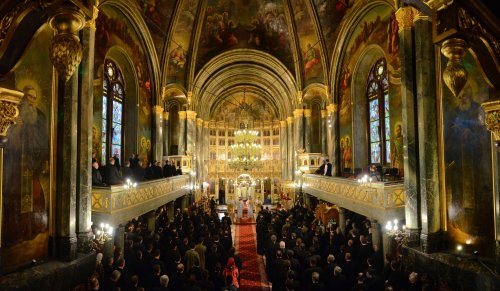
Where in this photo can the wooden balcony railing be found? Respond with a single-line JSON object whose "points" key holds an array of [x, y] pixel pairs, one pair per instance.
{"points": [[115, 204], [380, 200]]}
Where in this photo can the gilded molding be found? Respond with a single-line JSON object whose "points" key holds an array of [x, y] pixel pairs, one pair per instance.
{"points": [[165, 115], [66, 50], [298, 113], [455, 75], [199, 122], [438, 4], [9, 99], [95, 12], [330, 108], [404, 16], [300, 96], [182, 114], [492, 120], [419, 16], [307, 112], [158, 109], [191, 115], [164, 93], [289, 119], [9, 18]]}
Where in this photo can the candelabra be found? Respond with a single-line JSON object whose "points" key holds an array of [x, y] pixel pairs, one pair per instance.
{"points": [[129, 184], [246, 152], [398, 233], [365, 181], [103, 233]]}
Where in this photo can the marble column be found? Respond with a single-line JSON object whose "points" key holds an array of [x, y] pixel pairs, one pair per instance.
{"points": [[404, 17], [182, 133], [84, 136], [119, 237], [190, 132], [342, 220], [290, 143], [158, 132], [199, 148], [333, 137], [376, 233], [206, 142], [492, 122], [307, 129], [166, 141], [298, 117], [170, 210], [324, 132], [427, 134], [283, 150]]}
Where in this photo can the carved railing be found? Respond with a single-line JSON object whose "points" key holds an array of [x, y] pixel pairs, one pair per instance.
{"points": [[115, 204], [377, 199]]}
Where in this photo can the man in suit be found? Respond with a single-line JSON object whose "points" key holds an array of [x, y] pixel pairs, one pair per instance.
{"points": [[127, 171], [112, 173], [167, 170], [96, 175], [328, 168]]}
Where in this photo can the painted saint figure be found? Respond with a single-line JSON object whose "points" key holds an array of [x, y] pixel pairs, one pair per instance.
{"points": [[397, 151]]}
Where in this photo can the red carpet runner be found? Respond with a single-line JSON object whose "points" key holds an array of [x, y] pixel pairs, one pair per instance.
{"points": [[253, 275]]}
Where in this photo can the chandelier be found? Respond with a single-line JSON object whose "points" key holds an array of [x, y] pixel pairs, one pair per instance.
{"points": [[245, 151]]}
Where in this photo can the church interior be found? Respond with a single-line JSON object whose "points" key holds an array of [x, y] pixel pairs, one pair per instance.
{"points": [[120, 120]]}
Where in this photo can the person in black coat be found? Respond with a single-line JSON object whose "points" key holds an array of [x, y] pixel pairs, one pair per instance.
{"points": [[139, 172], [167, 170], [112, 173], [127, 172], [157, 170], [178, 172], [149, 172], [96, 175]]}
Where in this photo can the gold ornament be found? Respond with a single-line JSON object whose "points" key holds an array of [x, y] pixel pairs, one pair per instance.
{"points": [[455, 75], [492, 120], [9, 99]]}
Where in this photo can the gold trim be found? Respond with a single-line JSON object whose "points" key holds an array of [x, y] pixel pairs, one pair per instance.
{"points": [[298, 113], [191, 115], [158, 109], [300, 96], [442, 177], [331, 108], [165, 115], [189, 97], [307, 112], [404, 16], [324, 113], [289, 120], [438, 4], [420, 16], [206, 124], [282, 123], [182, 114], [199, 122], [95, 12]]}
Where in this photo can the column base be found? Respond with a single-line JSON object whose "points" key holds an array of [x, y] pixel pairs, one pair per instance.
{"points": [[431, 242], [66, 248], [84, 242]]}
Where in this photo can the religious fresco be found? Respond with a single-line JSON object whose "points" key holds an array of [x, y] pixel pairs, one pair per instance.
{"points": [[259, 24], [114, 29], [26, 168], [309, 43], [157, 14], [467, 160], [378, 27], [330, 14], [180, 43]]}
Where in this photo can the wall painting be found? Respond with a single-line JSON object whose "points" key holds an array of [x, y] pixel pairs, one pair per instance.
{"points": [[26, 172], [467, 161], [258, 24]]}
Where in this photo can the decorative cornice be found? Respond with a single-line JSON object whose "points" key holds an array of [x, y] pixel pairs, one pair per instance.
{"points": [[298, 113], [492, 120], [419, 16], [307, 112], [9, 99], [182, 114], [438, 4], [191, 115], [404, 16]]}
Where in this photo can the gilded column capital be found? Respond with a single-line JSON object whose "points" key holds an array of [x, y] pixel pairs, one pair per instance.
{"points": [[206, 123], [189, 97], [283, 123], [300, 96], [289, 120], [298, 113], [165, 115], [95, 12], [492, 120], [324, 113], [182, 114], [66, 50], [9, 99], [330, 108], [455, 75], [404, 16], [191, 114], [199, 122], [307, 112], [158, 110]]}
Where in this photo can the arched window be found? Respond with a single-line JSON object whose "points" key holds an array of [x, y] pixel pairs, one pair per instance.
{"points": [[379, 132], [112, 111]]}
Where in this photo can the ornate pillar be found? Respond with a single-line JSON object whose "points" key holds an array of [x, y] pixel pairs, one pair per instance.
{"points": [[85, 117], [158, 117], [298, 115], [182, 133], [332, 137], [9, 99], [404, 17], [166, 141], [291, 153], [427, 134], [66, 54], [307, 129], [119, 237], [283, 150], [190, 132], [199, 147], [376, 233], [206, 156], [492, 121], [324, 132], [342, 220]]}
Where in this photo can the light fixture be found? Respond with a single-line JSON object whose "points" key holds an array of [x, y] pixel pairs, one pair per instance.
{"points": [[103, 233], [245, 151], [460, 248], [399, 234], [129, 184]]}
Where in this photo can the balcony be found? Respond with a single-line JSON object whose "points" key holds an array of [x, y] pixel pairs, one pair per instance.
{"points": [[117, 205], [379, 200]]}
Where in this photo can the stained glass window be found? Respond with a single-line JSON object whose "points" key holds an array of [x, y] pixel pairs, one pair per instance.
{"points": [[379, 133], [112, 111]]}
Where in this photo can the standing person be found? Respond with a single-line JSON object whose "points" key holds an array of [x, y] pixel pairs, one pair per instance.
{"points": [[167, 170], [240, 209], [96, 175], [328, 168], [112, 173], [231, 273], [250, 208], [157, 170], [139, 172], [178, 172], [127, 171]]}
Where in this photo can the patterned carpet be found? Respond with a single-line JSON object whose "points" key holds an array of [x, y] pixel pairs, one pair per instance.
{"points": [[253, 275]]}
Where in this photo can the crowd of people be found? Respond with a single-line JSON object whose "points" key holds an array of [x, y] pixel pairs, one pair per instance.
{"points": [[302, 254], [191, 251], [114, 174]]}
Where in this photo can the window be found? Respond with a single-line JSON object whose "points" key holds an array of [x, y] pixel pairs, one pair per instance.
{"points": [[378, 111], [213, 142], [213, 156], [222, 142], [267, 141], [222, 132], [276, 141], [276, 131], [112, 111], [230, 132], [213, 132], [230, 142], [267, 132]]}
